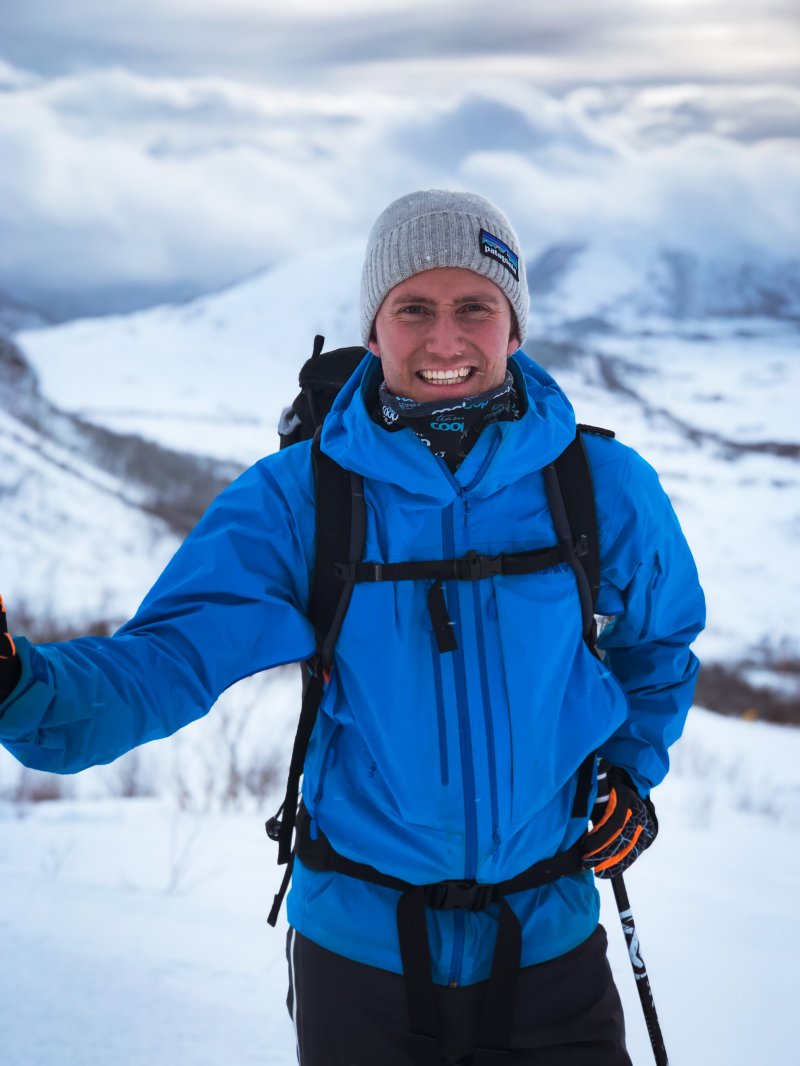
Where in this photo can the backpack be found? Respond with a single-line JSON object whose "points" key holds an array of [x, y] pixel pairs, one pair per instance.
{"points": [[338, 567]]}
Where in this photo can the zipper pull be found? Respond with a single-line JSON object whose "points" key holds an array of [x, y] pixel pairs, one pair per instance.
{"points": [[440, 619]]}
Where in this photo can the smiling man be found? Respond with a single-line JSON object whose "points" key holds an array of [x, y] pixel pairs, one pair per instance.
{"points": [[443, 338], [444, 333], [469, 724]]}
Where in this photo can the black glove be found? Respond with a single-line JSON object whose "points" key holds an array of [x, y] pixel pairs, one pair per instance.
{"points": [[10, 666], [623, 824]]}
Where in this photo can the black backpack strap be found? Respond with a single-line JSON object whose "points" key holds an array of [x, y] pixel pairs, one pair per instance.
{"points": [[495, 1019], [570, 494], [341, 529]]}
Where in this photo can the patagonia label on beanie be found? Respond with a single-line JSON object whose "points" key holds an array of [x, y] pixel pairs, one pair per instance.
{"points": [[499, 250]]}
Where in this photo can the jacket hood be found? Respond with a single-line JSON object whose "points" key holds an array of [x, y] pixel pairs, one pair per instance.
{"points": [[503, 452]]}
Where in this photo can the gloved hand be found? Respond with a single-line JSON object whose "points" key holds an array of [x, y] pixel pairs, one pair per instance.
{"points": [[623, 824], [10, 668]]}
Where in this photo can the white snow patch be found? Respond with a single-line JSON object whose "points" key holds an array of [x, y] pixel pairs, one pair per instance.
{"points": [[102, 962]]}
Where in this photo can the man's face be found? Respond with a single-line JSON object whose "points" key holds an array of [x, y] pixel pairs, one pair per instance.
{"points": [[444, 334]]}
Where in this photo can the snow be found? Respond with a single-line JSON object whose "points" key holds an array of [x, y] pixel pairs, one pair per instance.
{"points": [[135, 932], [83, 547], [211, 376]]}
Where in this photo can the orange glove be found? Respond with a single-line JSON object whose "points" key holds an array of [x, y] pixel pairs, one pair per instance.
{"points": [[623, 824]]}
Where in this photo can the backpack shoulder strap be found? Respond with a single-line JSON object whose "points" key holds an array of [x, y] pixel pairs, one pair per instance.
{"points": [[577, 491], [341, 529], [341, 522], [570, 493]]}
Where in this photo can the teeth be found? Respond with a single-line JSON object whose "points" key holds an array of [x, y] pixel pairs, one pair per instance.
{"points": [[446, 376]]}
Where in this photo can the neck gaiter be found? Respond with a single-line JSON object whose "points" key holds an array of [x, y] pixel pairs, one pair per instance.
{"points": [[449, 427]]}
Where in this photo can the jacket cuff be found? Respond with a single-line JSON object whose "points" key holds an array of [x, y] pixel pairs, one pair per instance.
{"points": [[23, 709]]}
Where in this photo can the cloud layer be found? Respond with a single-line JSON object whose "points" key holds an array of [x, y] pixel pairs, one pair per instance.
{"points": [[118, 183], [567, 44]]}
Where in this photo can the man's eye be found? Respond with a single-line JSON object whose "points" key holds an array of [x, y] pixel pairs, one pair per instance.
{"points": [[412, 309], [472, 308]]}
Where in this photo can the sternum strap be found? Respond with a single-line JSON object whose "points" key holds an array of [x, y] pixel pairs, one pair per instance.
{"points": [[469, 567]]}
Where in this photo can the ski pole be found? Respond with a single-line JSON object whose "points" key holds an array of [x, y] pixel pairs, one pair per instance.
{"points": [[639, 971]]}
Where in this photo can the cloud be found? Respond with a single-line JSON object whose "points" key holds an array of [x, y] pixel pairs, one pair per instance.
{"points": [[118, 183], [262, 41]]}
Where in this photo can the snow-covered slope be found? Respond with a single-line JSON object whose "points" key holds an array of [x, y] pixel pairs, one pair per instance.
{"points": [[133, 933], [210, 376], [89, 516]]}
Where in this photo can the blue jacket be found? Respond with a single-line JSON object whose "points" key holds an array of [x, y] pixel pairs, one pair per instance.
{"points": [[429, 766]]}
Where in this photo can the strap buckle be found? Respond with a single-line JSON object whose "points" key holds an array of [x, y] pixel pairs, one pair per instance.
{"points": [[349, 571], [474, 567], [459, 895]]}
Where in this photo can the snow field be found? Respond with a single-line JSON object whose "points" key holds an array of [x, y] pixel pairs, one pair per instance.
{"points": [[135, 933]]}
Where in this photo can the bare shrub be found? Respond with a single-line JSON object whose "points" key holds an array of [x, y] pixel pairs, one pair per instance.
{"points": [[132, 777], [55, 858], [185, 835], [263, 776], [35, 786], [724, 688], [42, 627]]}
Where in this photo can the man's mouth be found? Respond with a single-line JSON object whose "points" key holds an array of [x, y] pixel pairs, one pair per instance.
{"points": [[446, 377]]}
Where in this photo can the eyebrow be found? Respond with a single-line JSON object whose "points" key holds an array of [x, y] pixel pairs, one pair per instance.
{"points": [[411, 298]]}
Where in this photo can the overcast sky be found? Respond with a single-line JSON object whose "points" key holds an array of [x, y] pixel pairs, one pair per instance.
{"points": [[560, 44], [157, 148]]}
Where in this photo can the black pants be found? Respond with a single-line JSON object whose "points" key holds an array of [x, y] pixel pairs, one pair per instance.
{"points": [[568, 1011]]}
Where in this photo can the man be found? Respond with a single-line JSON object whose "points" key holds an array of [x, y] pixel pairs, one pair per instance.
{"points": [[464, 722]]}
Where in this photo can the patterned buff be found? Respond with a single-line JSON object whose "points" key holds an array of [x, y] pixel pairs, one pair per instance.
{"points": [[450, 429]]}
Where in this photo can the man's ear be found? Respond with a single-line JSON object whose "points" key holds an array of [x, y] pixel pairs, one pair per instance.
{"points": [[513, 333], [374, 347]]}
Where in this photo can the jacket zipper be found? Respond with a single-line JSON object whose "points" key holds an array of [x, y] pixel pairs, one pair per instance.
{"points": [[464, 731], [491, 750], [444, 771], [465, 746], [485, 689], [462, 704]]}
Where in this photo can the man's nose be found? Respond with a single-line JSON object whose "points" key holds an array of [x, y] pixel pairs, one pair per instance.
{"points": [[444, 338]]}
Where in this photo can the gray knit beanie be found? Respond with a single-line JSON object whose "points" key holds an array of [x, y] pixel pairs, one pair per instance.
{"points": [[437, 228]]}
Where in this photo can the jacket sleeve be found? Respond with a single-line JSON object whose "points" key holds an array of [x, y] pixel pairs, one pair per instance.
{"points": [[651, 593], [229, 604]]}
